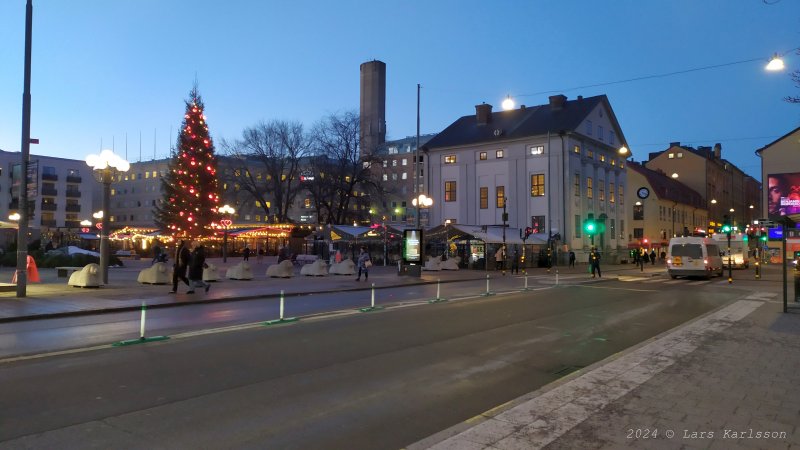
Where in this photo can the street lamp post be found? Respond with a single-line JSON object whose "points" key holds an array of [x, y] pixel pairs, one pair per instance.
{"points": [[105, 167], [447, 239], [226, 223], [422, 201]]}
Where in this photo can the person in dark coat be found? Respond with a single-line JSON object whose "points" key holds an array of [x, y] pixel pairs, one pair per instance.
{"points": [[572, 259], [196, 265], [182, 257], [594, 262], [364, 262], [246, 253], [515, 262], [156, 254], [652, 257]]}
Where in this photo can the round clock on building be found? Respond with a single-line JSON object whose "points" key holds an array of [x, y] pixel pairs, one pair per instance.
{"points": [[643, 193]]}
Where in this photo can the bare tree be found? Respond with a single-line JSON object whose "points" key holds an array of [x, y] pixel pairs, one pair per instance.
{"points": [[266, 166], [796, 78], [344, 184]]}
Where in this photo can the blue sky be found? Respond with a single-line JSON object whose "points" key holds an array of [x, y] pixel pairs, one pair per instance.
{"points": [[104, 69]]}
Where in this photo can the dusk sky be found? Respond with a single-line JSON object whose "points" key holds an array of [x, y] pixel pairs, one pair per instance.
{"points": [[104, 69]]}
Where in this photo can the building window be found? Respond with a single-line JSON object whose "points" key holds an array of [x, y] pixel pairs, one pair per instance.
{"points": [[588, 127], [611, 137], [576, 149], [392, 150], [680, 154], [602, 158], [578, 225], [449, 191], [537, 185], [307, 203], [385, 163], [405, 176], [671, 156], [483, 156], [600, 132], [589, 191], [638, 233], [537, 150], [611, 197], [450, 159], [577, 185], [537, 223], [394, 176], [638, 212], [500, 192], [601, 191], [613, 162], [589, 154], [498, 154], [484, 196], [621, 194], [385, 177]]}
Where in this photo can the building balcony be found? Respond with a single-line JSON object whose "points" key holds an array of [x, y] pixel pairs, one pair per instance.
{"points": [[73, 208], [49, 206], [72, 224], [50, 192], [49, 177], [48, 222], [73, 193], [73, 179]]}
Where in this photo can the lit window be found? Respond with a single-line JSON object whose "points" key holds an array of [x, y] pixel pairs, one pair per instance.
{"points": [[404, 176], [385, 163], [602, 158], [394, 163], [611, 192], [449, 191], [621, 194], [537, 185], [577, 183], [498, 154], [500, 193], [483, 156], [537, 150], [680, 154], [589, 154], [671, 155], [589, 191], [307, 202], [405, 161], [450, 159], [601, 190], [576, 149], [484, 194]]}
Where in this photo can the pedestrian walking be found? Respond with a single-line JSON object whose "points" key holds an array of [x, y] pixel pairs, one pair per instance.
{"points": [[364, 263], [260, 255], [196, 266], [642, 254], [572, 259], [499, 258], [594, 262], [653, 256], [156, 253], [182, 257], [515, 262], [246, 253]]}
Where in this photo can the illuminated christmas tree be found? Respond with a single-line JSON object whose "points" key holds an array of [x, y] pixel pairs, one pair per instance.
{"points": [[190, 187]]}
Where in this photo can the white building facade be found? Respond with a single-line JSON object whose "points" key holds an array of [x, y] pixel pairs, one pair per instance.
{"points": [[550, 166]]}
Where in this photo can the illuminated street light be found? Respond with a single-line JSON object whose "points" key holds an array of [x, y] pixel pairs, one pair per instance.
{"points": [[675, 175], [623, 150], [508, 103], [775, 63], [105, 167], [226, 223]]}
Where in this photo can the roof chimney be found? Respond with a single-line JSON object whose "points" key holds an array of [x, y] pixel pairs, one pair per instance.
{"points": [[557, 102], [483, 113], [718, 150], [580, 97], [674, 144]]}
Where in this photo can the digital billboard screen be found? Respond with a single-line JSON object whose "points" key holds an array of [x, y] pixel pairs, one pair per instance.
{"points": [[783, 196]]}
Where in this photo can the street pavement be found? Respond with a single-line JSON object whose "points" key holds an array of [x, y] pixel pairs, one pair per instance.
{"points": [[725, 380]]}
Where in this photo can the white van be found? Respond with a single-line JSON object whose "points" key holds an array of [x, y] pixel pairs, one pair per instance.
{"points": [[693, 256], [740, 251]]}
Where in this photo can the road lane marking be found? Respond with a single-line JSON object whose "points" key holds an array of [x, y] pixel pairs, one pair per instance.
{"points": [[539, 421]]}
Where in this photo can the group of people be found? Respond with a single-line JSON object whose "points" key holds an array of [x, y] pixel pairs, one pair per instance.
{"points": [[193, 261], [641, 257]]}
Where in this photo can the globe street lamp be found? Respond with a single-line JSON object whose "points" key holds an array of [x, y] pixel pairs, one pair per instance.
{"points": [[15, 218], [226, 223], [105, 167], [421, 201]]}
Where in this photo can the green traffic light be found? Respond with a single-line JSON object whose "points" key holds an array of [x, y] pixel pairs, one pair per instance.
{"points": [[726, 228], [763, 238]]}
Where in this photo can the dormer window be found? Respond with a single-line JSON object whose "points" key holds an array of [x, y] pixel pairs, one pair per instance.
{"points": [[450, 159]]}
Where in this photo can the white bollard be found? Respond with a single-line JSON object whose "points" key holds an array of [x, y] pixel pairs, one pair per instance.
{"points": [[526, 282], [438, 282], [144, 314], [556, 277], [281, 315], [372, 303]]}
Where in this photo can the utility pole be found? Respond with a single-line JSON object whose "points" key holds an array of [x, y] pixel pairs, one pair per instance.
{"points": [[22, 234], [505, 224]]}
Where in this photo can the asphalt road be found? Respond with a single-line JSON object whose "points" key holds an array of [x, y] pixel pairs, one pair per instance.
{"points": [[373, 380]]}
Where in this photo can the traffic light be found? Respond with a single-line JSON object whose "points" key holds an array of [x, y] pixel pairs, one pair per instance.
{"points": [[590, 226], [763, 238], [726, 225]]}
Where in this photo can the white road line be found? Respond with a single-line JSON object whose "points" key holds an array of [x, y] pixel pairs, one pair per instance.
{"points": [[674, 281], [539, 421]]}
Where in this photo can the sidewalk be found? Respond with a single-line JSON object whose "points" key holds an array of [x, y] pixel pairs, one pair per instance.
{"points": [[53, 298], [726, 380]]}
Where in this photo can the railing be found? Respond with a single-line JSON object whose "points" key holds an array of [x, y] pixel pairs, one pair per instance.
{"points": [[48, 222], [49, 206], [73, 179], [51, 192], [72, 224], [73, 208], [73, 193], [49, 177]]}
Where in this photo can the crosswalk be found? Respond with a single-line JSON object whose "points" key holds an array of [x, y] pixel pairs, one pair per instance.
{"points": [[659, 280]]}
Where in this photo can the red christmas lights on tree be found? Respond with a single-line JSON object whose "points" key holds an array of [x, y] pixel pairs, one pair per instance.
{"points": [[190, 188]]}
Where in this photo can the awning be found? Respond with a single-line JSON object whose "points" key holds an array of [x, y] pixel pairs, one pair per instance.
{"points": [[488, 234], [88, 236]]}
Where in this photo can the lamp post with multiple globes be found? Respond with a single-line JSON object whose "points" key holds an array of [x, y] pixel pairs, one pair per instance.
{"points": [[226, 223], [106, 167]]}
